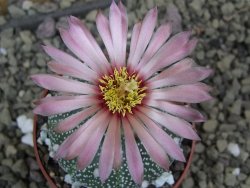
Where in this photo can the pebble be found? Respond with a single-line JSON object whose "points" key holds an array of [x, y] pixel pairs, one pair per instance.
{"points": [[46, 29], [15, 11], [234, 149], [28, 139], [10, 150], [188, 183], [221, 145], [20, 168], [27, 5], [5, 117], [236, 172], [91, 16], [46, 7], [227, 8], [230, 179], [25, 124], [210, 126]]}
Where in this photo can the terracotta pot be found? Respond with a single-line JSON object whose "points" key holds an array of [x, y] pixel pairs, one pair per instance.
{"points": [[51, 182]]}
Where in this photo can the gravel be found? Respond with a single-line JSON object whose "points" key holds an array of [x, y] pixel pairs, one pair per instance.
{"points": [[222, 28]]}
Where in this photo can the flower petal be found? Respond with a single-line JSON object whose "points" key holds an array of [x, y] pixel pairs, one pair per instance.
{"points": [[87, 131], [181, 111], [75, 119], [61, 84], [124, 31], [146, 32], [166, 142], [159, 38], [155, 151], [90, 148], [108, 151], [67, 60], [190, 76], [69, 70], [102, 24], [133, 156], [174, 50], [53, 107], [134, 40], [116, 29], [178, 67], [192, 93], [118, 149], [174, 124], [78, 51], [81, 35]]}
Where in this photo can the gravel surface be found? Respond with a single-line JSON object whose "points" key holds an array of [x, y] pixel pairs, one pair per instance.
{"points": [[222, 157]]}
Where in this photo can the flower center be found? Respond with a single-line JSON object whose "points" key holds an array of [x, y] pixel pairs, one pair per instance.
{"points": [[121, 91]]}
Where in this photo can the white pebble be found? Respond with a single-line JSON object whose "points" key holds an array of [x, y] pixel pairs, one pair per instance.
{"points": [[144, 184], [233, 149], [77, 185], [28, 139], [27, 5], [168, 177], [3, 51], [177, 140], [55, 147], [25, 124], [159, 182], [236, 172], [48, 142], [96, 173]]}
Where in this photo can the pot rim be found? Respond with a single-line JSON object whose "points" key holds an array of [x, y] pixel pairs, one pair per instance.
{"points": [[52, 183]]}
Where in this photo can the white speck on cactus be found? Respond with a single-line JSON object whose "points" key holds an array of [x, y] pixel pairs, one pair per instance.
{"points": [[55, 147], [168, 177], [96, 173], [234, 149], [177, 140]]}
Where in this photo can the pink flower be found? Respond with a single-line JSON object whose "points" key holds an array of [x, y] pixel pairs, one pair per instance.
{"points": [[124, 96]]}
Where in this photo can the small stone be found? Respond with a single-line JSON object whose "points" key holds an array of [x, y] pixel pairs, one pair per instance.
{"points": [[27, 4], [28, 139], [2, 20], [168, 178], [68, 179], [25, 124], [196, 5], [36, 176], [230, 179], [210, 125], [199, 148], [233, 149], [20, 168], [65, 4], [91, 16], [188, 183], [247, 114], [236, 172], [236, 108], [221, 145], [46, 29], [10, 150], [19, 184], [215, 23], [144, 184], [15, 11], [46, 7], [225, 63], [218, 168], [5, 117], [26, 37], [227, 8]]}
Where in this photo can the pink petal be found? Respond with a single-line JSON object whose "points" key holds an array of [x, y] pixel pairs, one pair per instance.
{"points": [[181, 111], [159, 38], [115, 24], [193, 93], [174, 124], [67, 60], [69, 70], [108, 151], [54, 98], [155, 151], [124, 31], [102, 24], [166, 142], [86, 133], [61, 84], [146, 32], [133, 156], [61, 106], [178, 67], [78, 51], [118, 149], [75, 119], [134, 40], [81, 35], [174, 50], [189, 76], [89, 150]]}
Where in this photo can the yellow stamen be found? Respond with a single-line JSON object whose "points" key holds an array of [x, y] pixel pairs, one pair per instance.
{"points": [[121, 91]]}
